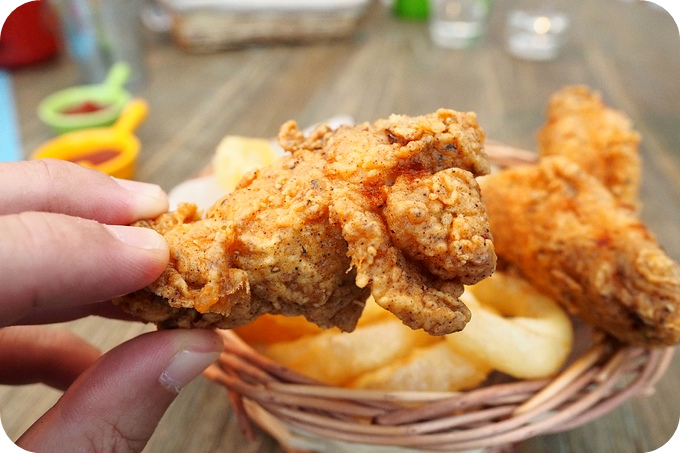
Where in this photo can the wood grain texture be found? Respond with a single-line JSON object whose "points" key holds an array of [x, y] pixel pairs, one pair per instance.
{"points": [[630, 52]]}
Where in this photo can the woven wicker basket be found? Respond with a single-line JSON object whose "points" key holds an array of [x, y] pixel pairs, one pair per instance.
{"points": [[299, 411]]}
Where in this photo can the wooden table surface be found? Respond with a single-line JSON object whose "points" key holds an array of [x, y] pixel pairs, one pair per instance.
{"points": [[630, 52]]}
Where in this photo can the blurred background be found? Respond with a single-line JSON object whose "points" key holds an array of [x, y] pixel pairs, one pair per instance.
{"points": [[214, 67], [211, 68]]}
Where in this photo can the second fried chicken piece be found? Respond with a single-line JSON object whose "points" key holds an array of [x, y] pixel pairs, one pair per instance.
{"points": [[575, 242], [391, 209], [600, 139]]}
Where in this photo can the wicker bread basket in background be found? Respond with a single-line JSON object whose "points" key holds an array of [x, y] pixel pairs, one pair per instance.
{"points": [[306, 415], [212, 25]]}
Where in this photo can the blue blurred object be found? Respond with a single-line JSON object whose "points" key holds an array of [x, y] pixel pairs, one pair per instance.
{"points": [[99, 33], [10, 144], [79, 28]]}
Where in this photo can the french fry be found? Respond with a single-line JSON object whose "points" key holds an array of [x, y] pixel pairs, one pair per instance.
{"points": [[270, 328], [276, 328], [434, 368], [335, 358], [237, 155], [514, 328]]}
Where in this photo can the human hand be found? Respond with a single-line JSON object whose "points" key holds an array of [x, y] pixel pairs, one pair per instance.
{"points": [[66, 252]]}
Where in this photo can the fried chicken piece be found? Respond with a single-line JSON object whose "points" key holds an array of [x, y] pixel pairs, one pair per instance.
{"points": [[569, 236], [390, 209], [600, 139]]}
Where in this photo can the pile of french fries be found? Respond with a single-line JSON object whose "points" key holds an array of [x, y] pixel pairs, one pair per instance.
{"points": [[514, 330]]}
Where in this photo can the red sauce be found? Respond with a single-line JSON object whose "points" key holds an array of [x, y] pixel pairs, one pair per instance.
{"points": [[96, 157], [84, 107]]}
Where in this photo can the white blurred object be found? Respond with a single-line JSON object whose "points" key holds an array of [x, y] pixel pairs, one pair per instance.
{"points": [[156, 17], [334, 122], [203, 191], [536, 35], [458, 23]]}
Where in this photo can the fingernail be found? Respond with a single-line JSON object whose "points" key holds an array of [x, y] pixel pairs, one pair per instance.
{"points": [[143, 238], [150, 200], [184, 367]]}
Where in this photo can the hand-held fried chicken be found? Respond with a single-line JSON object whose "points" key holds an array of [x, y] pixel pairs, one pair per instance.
{"points": [[390, 209], [574, 241]]}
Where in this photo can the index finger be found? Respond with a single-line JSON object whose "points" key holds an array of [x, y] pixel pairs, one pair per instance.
{"points": [[54, 261], [51, 185]]}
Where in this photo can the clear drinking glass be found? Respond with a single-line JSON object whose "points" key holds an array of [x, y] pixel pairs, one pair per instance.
{"points": [[458, 23], [536, 34]]}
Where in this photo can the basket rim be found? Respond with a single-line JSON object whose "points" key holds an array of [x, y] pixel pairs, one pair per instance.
{"points": [[607, 375]]}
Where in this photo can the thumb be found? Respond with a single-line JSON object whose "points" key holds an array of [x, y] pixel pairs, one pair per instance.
{"points": [[117, 403]]}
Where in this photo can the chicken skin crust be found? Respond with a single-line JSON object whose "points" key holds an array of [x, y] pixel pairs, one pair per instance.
{"points": [[600, 139], [391, 209], [574, 241]]}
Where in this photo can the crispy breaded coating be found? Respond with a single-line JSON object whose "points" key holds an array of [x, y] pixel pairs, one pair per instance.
{"points": [[600, 139], [390, 209], [574, 241]]}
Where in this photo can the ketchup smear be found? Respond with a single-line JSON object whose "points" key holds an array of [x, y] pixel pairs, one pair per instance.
{"points": [[84, 107], [96, 157]]}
